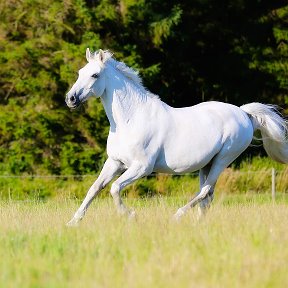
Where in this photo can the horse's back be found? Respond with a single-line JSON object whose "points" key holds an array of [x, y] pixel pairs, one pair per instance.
{"points": [[196, 134], [214, 117]]}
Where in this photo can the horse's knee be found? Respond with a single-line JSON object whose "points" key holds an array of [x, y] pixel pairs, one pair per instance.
{"points": [[207, 200], [115, 189], [204, 192]]}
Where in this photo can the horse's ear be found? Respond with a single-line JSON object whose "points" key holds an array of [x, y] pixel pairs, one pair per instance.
{"points": [[88, 54], [101, 55]]}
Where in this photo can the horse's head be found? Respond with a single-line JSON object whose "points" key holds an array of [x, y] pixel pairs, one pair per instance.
{"points": [[91, 80]]}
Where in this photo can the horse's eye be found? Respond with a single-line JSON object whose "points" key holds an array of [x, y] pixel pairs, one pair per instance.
{"points": [[95, 76]]}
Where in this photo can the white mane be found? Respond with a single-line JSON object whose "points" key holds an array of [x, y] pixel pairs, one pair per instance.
{"points": [[128, 72]]}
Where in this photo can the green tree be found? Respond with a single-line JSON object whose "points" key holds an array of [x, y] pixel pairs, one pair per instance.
{"points": [[186, 51], [41, 48]]}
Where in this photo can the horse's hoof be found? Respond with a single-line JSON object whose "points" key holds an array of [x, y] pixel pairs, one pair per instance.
{"points": [[132, 215], [73, 223], [178, 215]]}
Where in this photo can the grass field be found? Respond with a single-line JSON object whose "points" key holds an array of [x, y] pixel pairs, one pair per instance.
{"points": [[242, 242]]}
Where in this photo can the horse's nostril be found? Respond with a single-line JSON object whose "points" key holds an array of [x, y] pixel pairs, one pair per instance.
{"points": [[72, 98]]}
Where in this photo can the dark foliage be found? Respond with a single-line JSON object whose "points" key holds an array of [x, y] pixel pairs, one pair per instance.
{"points": [[186, 51]]}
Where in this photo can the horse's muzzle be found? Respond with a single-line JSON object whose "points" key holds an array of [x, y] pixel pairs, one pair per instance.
{"points": [[72, 101]]}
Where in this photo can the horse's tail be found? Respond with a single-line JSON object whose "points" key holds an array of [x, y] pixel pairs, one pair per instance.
{"points": [[274, 129]]}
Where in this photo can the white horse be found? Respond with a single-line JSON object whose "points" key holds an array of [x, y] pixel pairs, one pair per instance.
{"points": [[147, 135]]}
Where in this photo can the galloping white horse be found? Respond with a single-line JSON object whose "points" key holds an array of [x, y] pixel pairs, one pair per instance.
{"points": [[148, 135]]}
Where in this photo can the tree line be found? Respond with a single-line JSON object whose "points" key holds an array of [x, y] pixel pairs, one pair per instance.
{"points": [[186, 51]]}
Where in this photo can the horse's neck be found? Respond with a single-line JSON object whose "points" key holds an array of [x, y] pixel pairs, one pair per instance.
{"points": [[122, 100]]}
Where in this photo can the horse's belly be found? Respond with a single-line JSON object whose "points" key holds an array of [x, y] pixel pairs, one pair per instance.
{"points": [[186, 160], [179, 169]]}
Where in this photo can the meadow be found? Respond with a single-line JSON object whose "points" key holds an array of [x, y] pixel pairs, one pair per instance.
{"points": [[241, 242]]}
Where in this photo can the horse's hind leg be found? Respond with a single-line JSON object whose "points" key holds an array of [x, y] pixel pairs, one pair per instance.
{"points": [[205, 203], [226, 156], [204, 200]]}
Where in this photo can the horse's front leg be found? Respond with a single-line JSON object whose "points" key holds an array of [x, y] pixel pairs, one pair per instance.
{"points": [[110, 169], [134, 172]]}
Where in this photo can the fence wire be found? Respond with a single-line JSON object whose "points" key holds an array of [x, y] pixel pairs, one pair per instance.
{"points": [[229, 171]]}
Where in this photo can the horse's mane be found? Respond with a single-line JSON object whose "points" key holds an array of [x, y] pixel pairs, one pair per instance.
{"points": [[128, 72]]}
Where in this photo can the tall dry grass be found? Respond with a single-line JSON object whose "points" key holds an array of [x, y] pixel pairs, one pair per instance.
{"points": [[238, 244]]}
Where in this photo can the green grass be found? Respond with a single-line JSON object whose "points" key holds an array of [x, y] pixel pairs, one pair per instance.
{"points": [[242, 242], [251, 177]]}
